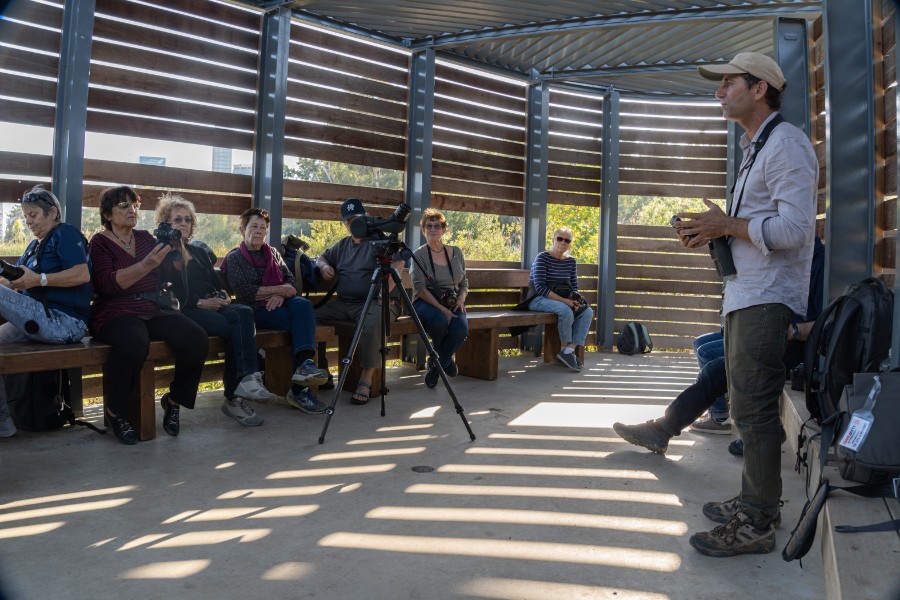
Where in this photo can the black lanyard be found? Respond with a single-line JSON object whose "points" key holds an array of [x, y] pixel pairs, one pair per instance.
{"points": [[447, 256], [757, 146]]}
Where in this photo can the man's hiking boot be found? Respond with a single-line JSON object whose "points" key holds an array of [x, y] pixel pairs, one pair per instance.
{"points": [[648, 435], [737, 536]]}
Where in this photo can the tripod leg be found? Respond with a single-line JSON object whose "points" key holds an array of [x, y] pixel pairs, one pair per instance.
{"points": [[345, 362], [431, 351]]}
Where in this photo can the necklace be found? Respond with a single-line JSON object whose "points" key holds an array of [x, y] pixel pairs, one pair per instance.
{"points": [[128, 244]]}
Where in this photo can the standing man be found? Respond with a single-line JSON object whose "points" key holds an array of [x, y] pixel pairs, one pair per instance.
{"points": [[770, 229]]}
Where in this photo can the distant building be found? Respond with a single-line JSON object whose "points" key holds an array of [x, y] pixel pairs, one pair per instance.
{"points": [[159, 161], [221, 160], [242, 169]]}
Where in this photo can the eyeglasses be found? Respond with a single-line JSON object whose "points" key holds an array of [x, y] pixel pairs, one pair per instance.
{"points": [[434, 225], [179, 219], [125, 205], [562, 239]]}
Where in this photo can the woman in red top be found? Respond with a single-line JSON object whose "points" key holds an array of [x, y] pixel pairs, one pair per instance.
{"points": [[125, 314]]}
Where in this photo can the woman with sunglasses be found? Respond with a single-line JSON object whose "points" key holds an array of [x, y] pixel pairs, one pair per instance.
{"points": [[440, 302], [554, 287], [127, 314], [204, 300], [46, 296]]}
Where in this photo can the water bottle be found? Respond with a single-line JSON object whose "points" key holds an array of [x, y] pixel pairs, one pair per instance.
{"points": [[861, 421]]}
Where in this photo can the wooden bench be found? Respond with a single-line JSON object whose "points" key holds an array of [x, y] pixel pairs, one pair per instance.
{"points": [[856, 565], [25, 358]]}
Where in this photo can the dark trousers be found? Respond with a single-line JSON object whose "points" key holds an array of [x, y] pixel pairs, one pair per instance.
{"points": [[130, 338], [446, 337], [236, 326], [697, 398], [296, 316]]}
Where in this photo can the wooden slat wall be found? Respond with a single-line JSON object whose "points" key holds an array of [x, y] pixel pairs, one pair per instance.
{"points": [[674, 150], [576, 136], [885, 61], [818, 109], [479, 142], [346, 104], [674, 291]]}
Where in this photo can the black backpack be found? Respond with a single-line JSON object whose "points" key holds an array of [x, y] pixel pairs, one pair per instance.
{"points": [[634, 339], [306, 273], [39, 401], [852, 335]]}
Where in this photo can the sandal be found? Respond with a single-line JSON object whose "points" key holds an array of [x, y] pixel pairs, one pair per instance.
{"points": [[358, 397]]}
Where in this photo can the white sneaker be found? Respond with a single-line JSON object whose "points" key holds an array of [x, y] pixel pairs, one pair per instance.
{"points": [[240, 411], [7, 427], [251, 388]]}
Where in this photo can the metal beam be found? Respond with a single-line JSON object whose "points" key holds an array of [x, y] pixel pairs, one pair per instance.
{"points": [[792, 55], [271, 106], [556, 27], [419, 142], [345, 27], [534, 227], [850, 143], [67, 176], [609, 219], [681, 67]]}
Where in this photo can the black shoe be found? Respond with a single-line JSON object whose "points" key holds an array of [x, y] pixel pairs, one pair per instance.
{"points": [[736, 448], [452, 369], [648, 435], [432, 375], [122, 428], [171, 417], [328, 385]]}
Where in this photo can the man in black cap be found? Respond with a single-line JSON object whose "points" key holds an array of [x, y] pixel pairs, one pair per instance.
{"points": [[768, 231], [352, 260]]}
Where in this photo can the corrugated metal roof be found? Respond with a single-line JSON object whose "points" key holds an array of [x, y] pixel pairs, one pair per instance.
{"points": [[639, 46]]}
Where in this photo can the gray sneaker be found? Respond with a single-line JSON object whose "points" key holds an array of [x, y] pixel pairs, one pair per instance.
{"points": [[648, 435], [306, 402], [7, 427], [251, 388], [737, 536], [722, 512], [240, 411], [710, 425], [569, 360], [309, 374]]}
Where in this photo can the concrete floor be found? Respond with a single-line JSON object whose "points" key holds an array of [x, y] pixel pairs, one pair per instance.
{"points": [[547, 503]]}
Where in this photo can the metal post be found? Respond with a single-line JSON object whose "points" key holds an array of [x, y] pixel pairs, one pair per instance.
{"points": [[534, 226], [67, 177], [895, 337], [733, 157], [271, 106], [850, 143], [609, 218], [419, 140], [792, 55]]}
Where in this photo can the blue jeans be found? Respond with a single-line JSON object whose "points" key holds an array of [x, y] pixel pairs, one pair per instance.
{"points": [[709, 347], [754, 346], [234, 323], [18, 309], [697, 398], [571, 329], [296, 316], [446, 337]]}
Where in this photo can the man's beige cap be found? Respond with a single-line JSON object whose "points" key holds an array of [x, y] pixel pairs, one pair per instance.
{"points": [[754, 63]]}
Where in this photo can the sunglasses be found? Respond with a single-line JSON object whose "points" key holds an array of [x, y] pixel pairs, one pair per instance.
{"points": [[125, 205], [562, 239], [434, 225], [179, 219]]}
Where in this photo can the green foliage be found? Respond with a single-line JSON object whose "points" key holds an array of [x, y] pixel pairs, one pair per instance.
{"points": [[655, 210], [309, 169], [485, 237]]}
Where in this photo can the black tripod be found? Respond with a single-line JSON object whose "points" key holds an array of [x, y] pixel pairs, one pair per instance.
{"points": [[384, 250]]}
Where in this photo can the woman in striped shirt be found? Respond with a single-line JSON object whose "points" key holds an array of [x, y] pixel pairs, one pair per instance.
{"points": [[554, 288]]}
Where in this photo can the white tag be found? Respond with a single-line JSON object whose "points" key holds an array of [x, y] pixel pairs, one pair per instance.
{"points": [[856, 433]]}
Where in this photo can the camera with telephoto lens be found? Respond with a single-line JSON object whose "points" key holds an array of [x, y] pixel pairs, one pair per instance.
{"points": [[582, 303], [10, 272], [365, 226], [215, 294], [166, 234]]}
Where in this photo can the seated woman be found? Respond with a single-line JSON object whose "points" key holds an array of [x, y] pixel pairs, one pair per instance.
{"points": [[444, 318], [47, 297], [125, 314], [261, 280], [553, 283], [203, 300]]}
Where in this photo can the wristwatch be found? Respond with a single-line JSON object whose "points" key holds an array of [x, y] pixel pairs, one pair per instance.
{"points": [[43, 280], [795, 333]]}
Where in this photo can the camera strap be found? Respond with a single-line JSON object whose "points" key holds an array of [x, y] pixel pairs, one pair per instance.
{"points": [[761, 140]]}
